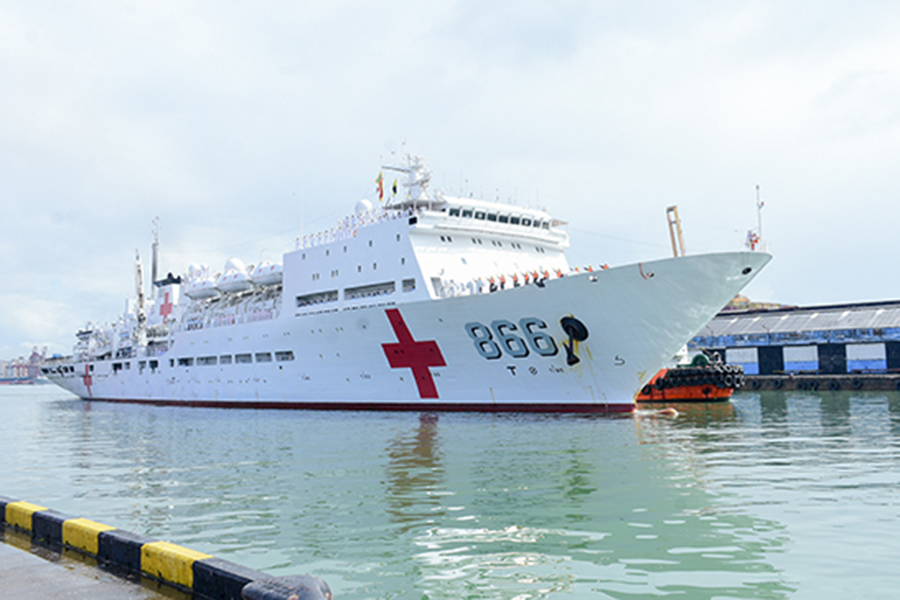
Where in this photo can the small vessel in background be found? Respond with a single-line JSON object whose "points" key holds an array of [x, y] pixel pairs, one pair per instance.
{"points": [[698, 381]]}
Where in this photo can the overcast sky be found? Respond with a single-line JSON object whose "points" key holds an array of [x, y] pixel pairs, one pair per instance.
{"points": [[240, 124]]}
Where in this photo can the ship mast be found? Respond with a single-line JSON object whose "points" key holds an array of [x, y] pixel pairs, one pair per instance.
{"points": [[418, 178], [155, 263], [139, 288], [759, 207]]}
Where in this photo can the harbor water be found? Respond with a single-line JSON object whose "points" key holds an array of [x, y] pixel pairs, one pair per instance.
{"points": [[775, 495]]}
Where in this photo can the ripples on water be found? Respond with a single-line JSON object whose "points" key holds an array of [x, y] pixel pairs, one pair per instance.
{"points": [[781, 495]]}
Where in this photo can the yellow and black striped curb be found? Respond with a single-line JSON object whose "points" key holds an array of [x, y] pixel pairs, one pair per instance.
{"points": [[200, 574]]}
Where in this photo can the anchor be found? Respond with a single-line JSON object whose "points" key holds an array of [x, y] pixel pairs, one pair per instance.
{"points": [[577, 332]]}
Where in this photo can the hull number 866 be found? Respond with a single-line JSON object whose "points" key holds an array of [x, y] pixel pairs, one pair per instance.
{"points": [[515, 340]]}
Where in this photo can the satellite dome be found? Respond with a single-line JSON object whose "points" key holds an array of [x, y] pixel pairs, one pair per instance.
{"points": [[363, 206]]}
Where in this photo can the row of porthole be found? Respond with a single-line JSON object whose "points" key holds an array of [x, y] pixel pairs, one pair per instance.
{"points": [[328, 250], [497, 243]]}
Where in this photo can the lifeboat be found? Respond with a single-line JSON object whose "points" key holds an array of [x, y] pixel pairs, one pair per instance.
{"points": [[200, 285], [696, 382], [234, 278], [202, 289], [268, 273], [234, 281]]}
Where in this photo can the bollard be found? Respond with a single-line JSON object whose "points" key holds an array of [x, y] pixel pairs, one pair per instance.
{"points": [[293, 587]]}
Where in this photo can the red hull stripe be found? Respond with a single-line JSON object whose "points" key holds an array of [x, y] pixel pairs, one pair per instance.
{"points": [[394, 406]]}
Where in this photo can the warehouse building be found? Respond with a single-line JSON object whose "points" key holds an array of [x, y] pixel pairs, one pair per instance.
{"points": [[825, 340]]}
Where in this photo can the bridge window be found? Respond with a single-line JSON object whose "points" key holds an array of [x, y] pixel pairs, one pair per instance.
{"points": [[262, 357], [479, 215], [207, 360], [225, 359], [243, 359], [467, 213], [514, 220], [503, 218], [526, 222], [409, 285], [284, 355], [454, 212]]}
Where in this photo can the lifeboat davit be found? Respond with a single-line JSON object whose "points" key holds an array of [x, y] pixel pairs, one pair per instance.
{"points": [[268, 273]]}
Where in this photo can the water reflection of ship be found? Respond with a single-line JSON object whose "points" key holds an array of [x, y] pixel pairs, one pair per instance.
{"points": [[635, 517], [686, 413], [414, 474]]}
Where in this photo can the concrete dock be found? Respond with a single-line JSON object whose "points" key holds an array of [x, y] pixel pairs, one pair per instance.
{"points": [[31, 573]]}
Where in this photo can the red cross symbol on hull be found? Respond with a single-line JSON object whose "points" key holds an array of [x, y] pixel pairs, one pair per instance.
{"points": [[410, 354], [88, 380]]}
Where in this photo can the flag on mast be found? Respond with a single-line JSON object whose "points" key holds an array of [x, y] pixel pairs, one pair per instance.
{"points": [[380, 181], [394, 188]]}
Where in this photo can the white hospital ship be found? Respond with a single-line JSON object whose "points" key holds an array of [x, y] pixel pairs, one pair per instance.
{"points": [[431, 302]]}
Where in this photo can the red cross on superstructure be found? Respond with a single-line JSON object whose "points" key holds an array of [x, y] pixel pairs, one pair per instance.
{"points": [[165, 309], [410, 354], [88, 380]]}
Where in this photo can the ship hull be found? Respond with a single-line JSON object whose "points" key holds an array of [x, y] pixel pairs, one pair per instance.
{"points": [[502, 351]]}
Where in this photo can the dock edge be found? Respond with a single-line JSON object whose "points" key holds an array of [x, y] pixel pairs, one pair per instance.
{"points": [[198, 573]]}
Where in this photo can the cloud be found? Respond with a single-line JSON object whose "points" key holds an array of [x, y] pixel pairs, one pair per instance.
{"points": [[242, 126]]}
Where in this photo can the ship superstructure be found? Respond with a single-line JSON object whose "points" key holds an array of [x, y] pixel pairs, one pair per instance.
{"points": [[430, 301]]}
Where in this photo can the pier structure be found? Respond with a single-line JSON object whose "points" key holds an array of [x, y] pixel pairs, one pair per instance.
{"points": [[837, 346], [198, 575]]}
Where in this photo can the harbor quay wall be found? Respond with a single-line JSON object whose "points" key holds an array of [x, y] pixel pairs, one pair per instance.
{"points": [[202, 575], [823, 382]]}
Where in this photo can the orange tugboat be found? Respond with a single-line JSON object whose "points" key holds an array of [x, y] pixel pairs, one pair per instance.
{"points": [[699, 381]]}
